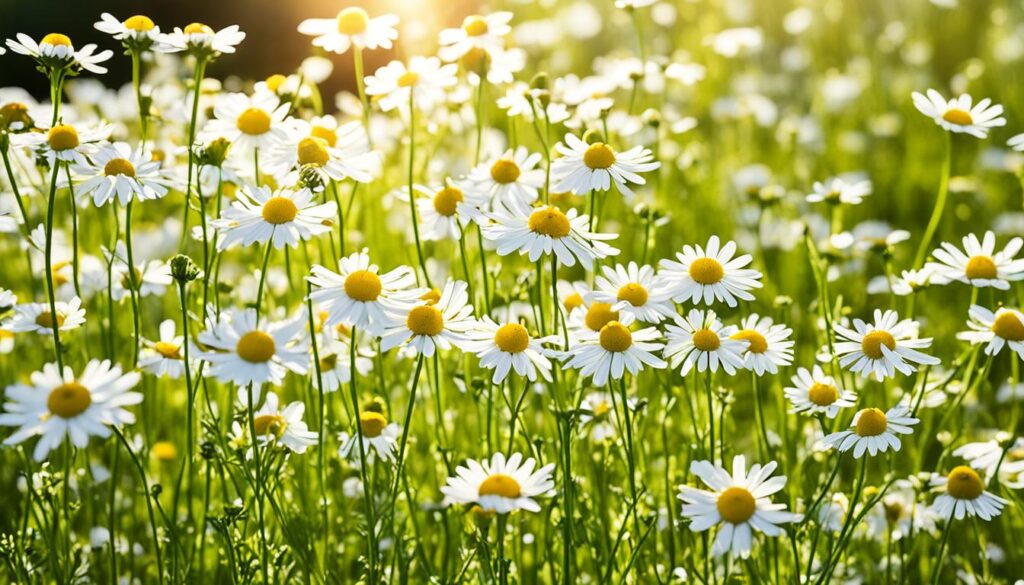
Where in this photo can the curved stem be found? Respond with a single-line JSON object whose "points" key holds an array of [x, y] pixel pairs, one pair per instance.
{"points": [[940, 204]]}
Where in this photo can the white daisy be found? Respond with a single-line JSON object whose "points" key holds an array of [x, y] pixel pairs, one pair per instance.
{"points": [[427, 326], [152, 277], [55, 51], [283, 217], [379, 438], [484, 32], [873, 431], [136, 32], [700, 339], [1016, 142], [335, 154], [963, 494], [837, 190], [1005, 327], [498, 485], [201, 40], [248, 122], [335, 350], [584, 167], [445, 209], [280, 427], [545, 230], [116, 171], [883, 347], [243, 353], [507, 347], [635, 290], [978, 264], [59, 404], [424, 77], [738, 502], [814, 392], [710, 274], [37, 317], [957, 114], [352, 27], [512, 178], [768, 345], [165, 357], [613, 351], [63, 142]]}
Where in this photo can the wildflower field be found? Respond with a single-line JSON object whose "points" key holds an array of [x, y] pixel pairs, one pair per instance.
{"points": [[557, 292]]}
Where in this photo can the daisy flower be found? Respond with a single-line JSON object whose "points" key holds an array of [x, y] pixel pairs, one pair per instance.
{"points": [[359, 296], [116, 171], [873, 431], [477, 32], [335, 154], [613, 351], [444, 209], [837, 190], [711, 274], [164, 357], [379, 437], [507, 347], [242, 352], [498, 485], [768, 345], [56, 52], [1005, 327], [635, 290], [137, 32], [739, 502], [958, 115], [59, 404], [594, 167], [37, 317], [546, 230], [598, 414], [335, 352], [424, 78], [813, 392], [352, 27], [63, 142], [282, 217], [512, 178], [1016, 142], [248, 122], [883, 347], [978, 264], [282, 427], [900, 513], [963, 494], [701, 340], [201, 40], [430, 325]]}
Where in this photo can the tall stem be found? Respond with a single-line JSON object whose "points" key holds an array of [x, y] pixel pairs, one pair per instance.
{"points": [[412, 191], [197, 82], [49, 265], [940, 204], [133, 282]]}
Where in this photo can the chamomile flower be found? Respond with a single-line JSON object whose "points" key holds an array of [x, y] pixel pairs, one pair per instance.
{"points": [[117, 172], [425, 327], [380, 438], [768, 344], [58, 404], [485, 33], [710, 274], [334, 153], [594, 167], [882, 348], [837, 190], [56, 52], [499, 485], [445, 209], [614, 350], [352, 27], [335, 349], [152, 277], [278, 426], [700, 339], [900, 514], [63, 142], [512, 178], [635, 290], [507, 347], [979, 264], [958, 115], [165, 357], [37, 317], [359, 296], [535, 232], [283, 217], [1004, 327], [740, 503], [873, 431], [249, 122], [137, 32], [813, 393], [243, 353], [963, 494], [425, 79], [202, 41]]}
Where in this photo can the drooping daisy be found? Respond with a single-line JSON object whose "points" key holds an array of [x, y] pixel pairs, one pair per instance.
{"points": [[116, 171], [484, 32], [964, 495], [280, 427], [613, 351], [498, 485], [710, 274], [957, 114], [768, 344], [633, 289], [282, 217], [165, 357], [883, 347], [244, 353], [813, 392], [334, 154], [1005, 327], [424, 77], [507, 347], [55, 52], [700, 339], [873, 431], [359, 296], [63, 142], [594, 167], [379, 438], [59, 404], [37, 317], [512, 178], [430, 325], [837, 190], [201, 40], [978, 265], [352, 26], [534, 232], [738, 502], [248, 122]]}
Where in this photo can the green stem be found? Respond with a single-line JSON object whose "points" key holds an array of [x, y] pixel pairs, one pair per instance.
{"points": [[940, 204]]}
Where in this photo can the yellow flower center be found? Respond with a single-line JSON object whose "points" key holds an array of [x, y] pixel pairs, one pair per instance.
{"points": [[275, 81], [633, 293], [165, 451], [353, 20], [256, 347], [549, 221], [278, 210], [512, 338], [254, 122], [45, 319], [871, 422], [602, 409], [62, 137], [500, 484], [475, 26], [56, 40], [13, 112], [615, 337], [599, 156], [425, 320], [139, 23], [326, 134], [168, 350], [68, 400], [963, 483], [706, 340], [599, 315], [504, 171], [313, 151], [706, 271], [328, 362], [822, 394], [431, 296], [736, 505], [447, 200], [756, 343], [270, 424], [408, 79], [119, 166], [372, 423], [572, 301], [981, 267], [198, 28], [363, 285], [1008, 326], [872, 344], [958, 117], [893, 511]]}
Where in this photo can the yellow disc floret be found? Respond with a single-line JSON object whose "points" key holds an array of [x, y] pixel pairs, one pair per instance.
{"points": [[599, 156], [822, 394], [270, 424], [446, 200], [981, 267], [253, 122], [633, 293], [139, 23], [353, 21], [119, 166], [872, 344], [512, 338], [475, 26], [313, 151], [167, 350], [363, 285], [425, 320], [615, 337], [197, 28], [62, 137], [56, 40], [68, 400], [736, 505], [963, 483], [372, 424], [1008, 326], [408, 79], [756, 343], [706, 271], [549, 221], [500, 484], [256, 347], [278, 210], [45, 319], [958, 117], [599, 315], [871, 422], [504, 171], [706, 340]]}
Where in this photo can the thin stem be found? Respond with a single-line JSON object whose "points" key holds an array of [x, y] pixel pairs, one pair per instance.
{"points": [[940, 204]]}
